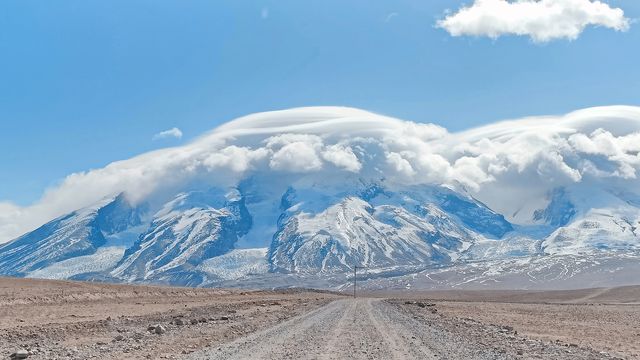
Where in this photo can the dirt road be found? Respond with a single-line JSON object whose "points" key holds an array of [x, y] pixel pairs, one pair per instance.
{"points": [[369, 328], [360, 329]]}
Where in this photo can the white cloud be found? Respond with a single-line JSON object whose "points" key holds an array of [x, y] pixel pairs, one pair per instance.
{"points": [[296, 157], [234, 158], [171, 133], [12, 222], [542, 20], [505, 164], [342, 157], [390, 16], [400, 165]]}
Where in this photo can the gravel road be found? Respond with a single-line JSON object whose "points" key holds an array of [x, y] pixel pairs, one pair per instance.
{"points": [[377, 329], [354, 329]]}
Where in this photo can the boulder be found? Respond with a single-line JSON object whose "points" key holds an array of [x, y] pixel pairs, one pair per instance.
{"points": [[20, 354]]}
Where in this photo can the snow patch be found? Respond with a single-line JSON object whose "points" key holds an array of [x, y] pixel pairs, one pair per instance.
{"points": [[103, 260]]}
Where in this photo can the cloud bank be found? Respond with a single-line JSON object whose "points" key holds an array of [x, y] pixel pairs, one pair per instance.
{"points": [[505, 164], [541, 20], [171, 133]]}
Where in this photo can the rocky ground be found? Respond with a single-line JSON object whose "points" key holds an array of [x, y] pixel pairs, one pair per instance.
{"points": [[610, 329], [373, 328], [604, 319], [73, 320]]}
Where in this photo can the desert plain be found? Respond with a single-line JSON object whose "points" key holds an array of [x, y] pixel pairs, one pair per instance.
{"points": [[48, 319]]}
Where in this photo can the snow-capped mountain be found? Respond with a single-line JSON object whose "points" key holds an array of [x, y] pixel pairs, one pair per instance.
{"points": [[353, 232], [300, 197], [600, 219], [418, 226], [77, 234]]}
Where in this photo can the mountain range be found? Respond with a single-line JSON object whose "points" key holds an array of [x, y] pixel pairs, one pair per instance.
{"points": [[301, 197]]}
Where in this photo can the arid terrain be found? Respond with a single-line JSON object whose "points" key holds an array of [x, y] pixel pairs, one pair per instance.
{"points": [[75, 320]]}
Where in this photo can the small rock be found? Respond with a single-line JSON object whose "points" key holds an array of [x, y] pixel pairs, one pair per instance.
{"points": [[160, 330], [118, 338], [520, 352], [224, 318], [180, 322], [194, 321], [20, 354]]}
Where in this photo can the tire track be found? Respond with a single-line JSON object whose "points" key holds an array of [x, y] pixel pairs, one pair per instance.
{"points": [[399, 342], [350, 329]]}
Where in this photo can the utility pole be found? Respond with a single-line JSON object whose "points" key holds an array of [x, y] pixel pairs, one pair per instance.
{"points": [[354, 281], [355, 278]]}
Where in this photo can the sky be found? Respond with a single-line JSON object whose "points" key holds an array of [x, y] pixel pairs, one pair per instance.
{"points": [[84, 83]]}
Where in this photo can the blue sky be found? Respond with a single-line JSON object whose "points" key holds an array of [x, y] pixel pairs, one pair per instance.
{"points": [[84, 83]]}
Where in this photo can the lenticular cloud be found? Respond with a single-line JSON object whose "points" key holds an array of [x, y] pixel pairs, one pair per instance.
{"points": [[505, 164]]}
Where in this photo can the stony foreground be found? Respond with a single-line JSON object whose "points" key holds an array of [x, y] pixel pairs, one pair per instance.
{"points": [[75, 320]]}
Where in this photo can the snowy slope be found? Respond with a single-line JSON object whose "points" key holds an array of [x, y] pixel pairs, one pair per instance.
{"points": [[598, 230], [80, 233], [190, 229], [590, 219], [104, 259], [353, 232], [236, 264]]}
